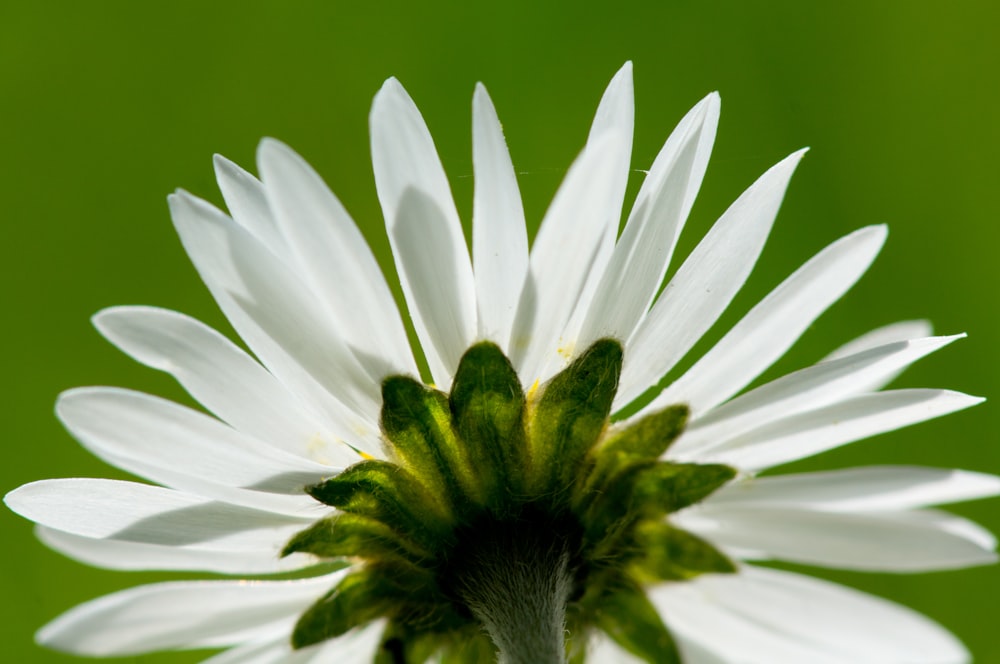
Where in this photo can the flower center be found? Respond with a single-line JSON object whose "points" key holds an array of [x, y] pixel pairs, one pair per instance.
{"points": [[521, 517]]}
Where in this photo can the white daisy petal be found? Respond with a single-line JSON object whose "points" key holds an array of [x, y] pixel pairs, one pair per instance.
{"points": [[816, 431], [771, 327], [273, 313], [643, 252], [221, 377], [192, 614], [807, 389], [873, 488], [358, 646], [247, 204], [563, 255], [917, 541], [135, 556], [131, 512], [901, 331], [436, 276], [499, 236], [763, 611], [159, 433], [333, 258], [705, 283]]}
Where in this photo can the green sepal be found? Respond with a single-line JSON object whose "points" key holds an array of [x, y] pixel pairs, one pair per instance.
{"points": [[360, 597], [667, 487], [407, 646], [628, 617], [472, 646], [417, 421], [644, 440], [488, 408], [672, 554], [352, 535], [571, 415], [391, 494]]}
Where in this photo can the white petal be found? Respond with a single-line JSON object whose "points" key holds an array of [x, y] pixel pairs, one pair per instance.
{"points": [[807, 389], [272, 311], [191, 614], [771, 327], [873, 488], [916, 541], [223, 378], [357, 646], [134, 556], [244, 196], [405, 160], [901, 331], [499, 236], [333, 258], [769, 617], [643, 252], [562, 257], [705, 284], [810, 433], [131, 512], [435, 285], [156, 433]]}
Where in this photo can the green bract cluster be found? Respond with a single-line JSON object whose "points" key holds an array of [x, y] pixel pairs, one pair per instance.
{"points": [[486, 478]]}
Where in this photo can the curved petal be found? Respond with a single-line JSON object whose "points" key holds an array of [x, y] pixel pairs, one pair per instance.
{"points": [[873, 488], [274, 315], [771, 327], [917, 541], [901, 331], [705, 283], [357, 646], [807, 389], [223, 378], [499, 236], [136, 556], [187, 614], [405, 160], [332, 256], [131, 512], [562, 257], [643, 252], [118, 423], [773, 616], [247, 204], [816, 431]]}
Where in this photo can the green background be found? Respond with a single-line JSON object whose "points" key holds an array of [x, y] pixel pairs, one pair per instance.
{"points": [[105, 107]]}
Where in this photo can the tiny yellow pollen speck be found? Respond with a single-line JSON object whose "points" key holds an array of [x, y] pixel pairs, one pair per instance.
{"points": [[365, 455], [532, 390]]}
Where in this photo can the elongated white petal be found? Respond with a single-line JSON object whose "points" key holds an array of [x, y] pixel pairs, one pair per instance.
{"points": [[901, 331], [405, 160], [131, 512], [192, 614], [772, 616], [333, 258], [135, 556], [160, 433], [615, 116], [562, 257], [434, 285], [807, 389], [357, 646], [705, 284], [917, 541], [247, 204], [223, 378], [273, 313], [499, 236], [873, 488], [643, 252], [771, 327], [816, 431]]}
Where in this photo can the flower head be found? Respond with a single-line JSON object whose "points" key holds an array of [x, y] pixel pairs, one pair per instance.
{"points": [[538, 477]]}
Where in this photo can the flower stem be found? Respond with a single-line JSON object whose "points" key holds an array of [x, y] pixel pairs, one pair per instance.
{"points": [[517, 586]]}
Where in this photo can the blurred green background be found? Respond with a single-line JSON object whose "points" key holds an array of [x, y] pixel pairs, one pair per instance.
{"points": [[105, 107]]}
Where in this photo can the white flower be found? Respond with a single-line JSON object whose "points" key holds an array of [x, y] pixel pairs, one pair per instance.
{"points": [[299, 284]]}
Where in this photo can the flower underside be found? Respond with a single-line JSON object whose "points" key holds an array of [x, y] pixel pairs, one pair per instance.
{"points": [[495, 503]]}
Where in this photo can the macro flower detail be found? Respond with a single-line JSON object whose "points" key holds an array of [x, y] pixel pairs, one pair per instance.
{"points": [[531, 481]]}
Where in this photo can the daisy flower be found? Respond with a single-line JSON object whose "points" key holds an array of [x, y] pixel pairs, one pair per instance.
{"points": [[522, 484]]}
